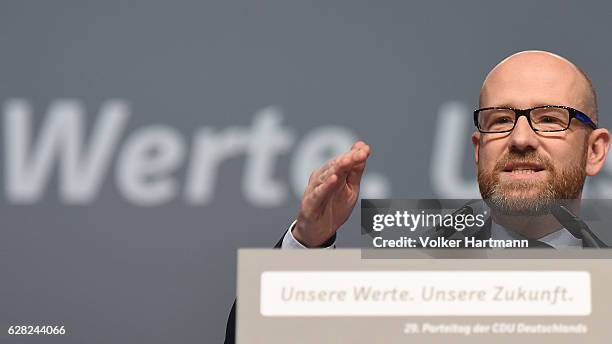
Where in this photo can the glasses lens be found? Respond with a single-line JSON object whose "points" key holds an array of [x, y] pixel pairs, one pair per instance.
{"points": [[496, 120], [550, 119]]}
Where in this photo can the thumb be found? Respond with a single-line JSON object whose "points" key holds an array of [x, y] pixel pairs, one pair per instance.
{"points": [[353, 178]]}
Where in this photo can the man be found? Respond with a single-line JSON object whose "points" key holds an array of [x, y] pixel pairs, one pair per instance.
{"points": [[536, 141]]}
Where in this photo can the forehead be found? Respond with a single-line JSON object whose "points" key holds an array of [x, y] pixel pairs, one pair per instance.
{"points": [[532, 80]]}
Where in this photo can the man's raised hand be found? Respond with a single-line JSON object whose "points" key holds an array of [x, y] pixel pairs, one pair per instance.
{"points": [[330, 196]]}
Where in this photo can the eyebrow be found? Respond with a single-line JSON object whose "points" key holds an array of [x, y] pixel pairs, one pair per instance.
{"points": [[508, 105]]}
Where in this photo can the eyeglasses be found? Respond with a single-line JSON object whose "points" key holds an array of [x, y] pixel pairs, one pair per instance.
{"points": [[548, 118]]}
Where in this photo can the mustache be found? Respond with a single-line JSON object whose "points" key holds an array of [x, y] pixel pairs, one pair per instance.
{"points": [[529, 157]]}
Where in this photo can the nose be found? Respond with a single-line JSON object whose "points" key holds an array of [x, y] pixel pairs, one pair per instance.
{"points": [[523, 138]]}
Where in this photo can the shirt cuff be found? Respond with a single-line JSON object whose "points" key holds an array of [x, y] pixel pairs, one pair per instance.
{"points": [[289, 242]]}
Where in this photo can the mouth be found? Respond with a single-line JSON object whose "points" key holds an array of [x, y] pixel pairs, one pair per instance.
{"points": [[523, 170]]}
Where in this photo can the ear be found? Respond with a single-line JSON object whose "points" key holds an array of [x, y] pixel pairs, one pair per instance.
{"points": [[476, 144], [598, 144]]}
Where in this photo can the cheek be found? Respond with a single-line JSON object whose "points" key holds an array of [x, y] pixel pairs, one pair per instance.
{"points": [[575, 160], [567, 155], [488, 155]]}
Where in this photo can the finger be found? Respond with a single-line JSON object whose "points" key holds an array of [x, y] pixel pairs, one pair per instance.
{"points": [[360, 155], [358, 145], [353, 179], [354, 176], [320, 194], [318, 176], [357, 160], [339, 165], [348, 167], [348, 160]]}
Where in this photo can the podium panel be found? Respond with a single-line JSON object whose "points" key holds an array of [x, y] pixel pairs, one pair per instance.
{"points": [[424, 296]]}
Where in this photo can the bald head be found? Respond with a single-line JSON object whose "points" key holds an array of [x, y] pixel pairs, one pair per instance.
{"points": [[533, 78]]}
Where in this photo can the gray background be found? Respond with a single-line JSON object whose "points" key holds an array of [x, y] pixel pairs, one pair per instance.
{"points": [[111, 270]]}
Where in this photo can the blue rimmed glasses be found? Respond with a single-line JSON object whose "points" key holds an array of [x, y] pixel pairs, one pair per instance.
{"points": [[548, 118]]}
